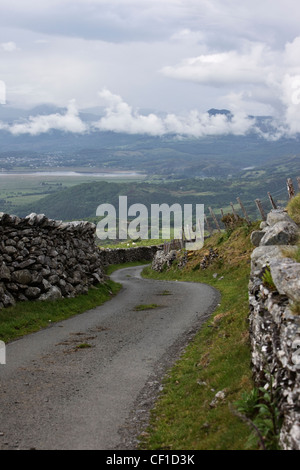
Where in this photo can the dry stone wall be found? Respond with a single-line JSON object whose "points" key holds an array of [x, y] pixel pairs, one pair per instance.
{"points": [[45, 259], [274, 320], [126, 255]]}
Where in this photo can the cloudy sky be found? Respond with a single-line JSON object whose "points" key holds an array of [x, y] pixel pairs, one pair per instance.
{"points": [[156, 65]]}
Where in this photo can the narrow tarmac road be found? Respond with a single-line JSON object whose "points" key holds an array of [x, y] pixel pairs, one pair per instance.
{"points": [[56, 396]]}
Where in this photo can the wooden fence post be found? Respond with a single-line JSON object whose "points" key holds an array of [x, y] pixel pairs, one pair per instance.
{"points": [[208, 225], [181, 239], [272, 201], [290, 188], [244, 210], [214, 218], [234, 213], [260, 208]]}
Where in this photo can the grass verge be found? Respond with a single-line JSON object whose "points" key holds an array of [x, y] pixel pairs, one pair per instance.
{"points": [[114, 267], [293, 208], [28, 317], [188, 415]]}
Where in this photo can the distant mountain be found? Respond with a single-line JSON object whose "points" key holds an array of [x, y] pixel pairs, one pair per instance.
{"points": [[45, 109], [167, 155], [9, 114], [214, 112]]}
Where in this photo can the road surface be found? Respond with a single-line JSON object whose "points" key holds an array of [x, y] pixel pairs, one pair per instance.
{"points": [[57, 396]]}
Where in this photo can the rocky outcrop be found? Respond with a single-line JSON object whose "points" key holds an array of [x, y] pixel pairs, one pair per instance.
{"points": [[163, 260], [279, 229], [274, 320]]}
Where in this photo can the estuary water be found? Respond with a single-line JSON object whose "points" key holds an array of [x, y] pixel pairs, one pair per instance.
{"points": [[116, 174]]}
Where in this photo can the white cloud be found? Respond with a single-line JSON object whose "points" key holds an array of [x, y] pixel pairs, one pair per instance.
{"points": [[242, 56], [253, 80], [68, 122], [9, 46], [225, 68], [120, 117]]}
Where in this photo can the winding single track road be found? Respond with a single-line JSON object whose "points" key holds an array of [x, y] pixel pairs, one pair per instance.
{"points": [[55, 395]]}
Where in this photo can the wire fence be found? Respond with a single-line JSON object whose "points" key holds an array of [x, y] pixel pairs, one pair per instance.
{"points": [[212, 223]]}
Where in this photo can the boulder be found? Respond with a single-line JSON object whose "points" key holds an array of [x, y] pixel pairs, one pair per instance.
{"points": [[282, 233], [22, 277], [53, 293], [278, 215], [32, 292], [5, 273], [262, 256], [286, 277], [256, 237]]}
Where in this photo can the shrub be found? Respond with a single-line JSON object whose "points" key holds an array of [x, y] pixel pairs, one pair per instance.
{"points": [[293, 209], [268, 280]]}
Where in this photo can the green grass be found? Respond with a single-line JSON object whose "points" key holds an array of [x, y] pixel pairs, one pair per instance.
{"points": [[141, 307], [83, 346], [28, 317], [268, 280], [217, 359], [19, 190], [131, 244], [293, 209]]}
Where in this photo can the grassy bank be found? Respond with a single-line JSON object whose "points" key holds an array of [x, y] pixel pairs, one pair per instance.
{"points": [[28, 317], [187, 416], [131, 244]]}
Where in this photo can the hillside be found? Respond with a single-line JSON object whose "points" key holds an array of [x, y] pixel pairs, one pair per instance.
{"points": [[81, 201], [211, 399], [217, 360]]}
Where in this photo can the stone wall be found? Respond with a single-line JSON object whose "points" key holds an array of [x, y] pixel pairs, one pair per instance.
{"points": [[44, 259], [125, 255], [275, 319]]}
